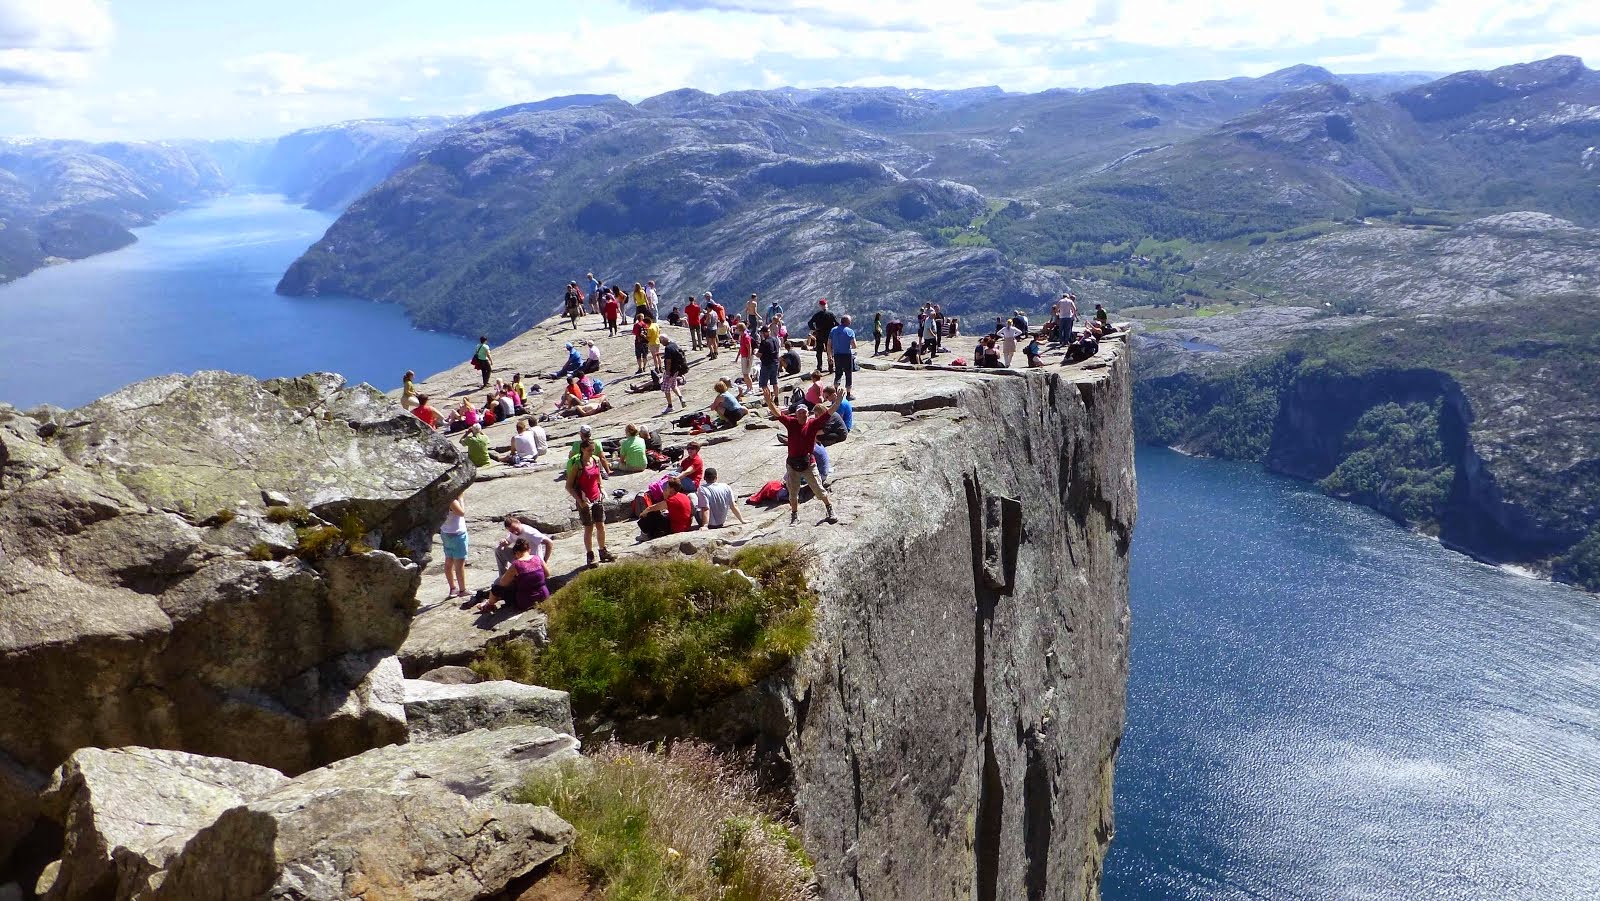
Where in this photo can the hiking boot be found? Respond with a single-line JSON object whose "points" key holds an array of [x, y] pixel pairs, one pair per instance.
{"points": [[830, 518], [794, 517], [606, 557], [591, 559]]}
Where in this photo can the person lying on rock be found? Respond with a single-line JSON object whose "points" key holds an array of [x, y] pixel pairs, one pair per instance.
{"points": [[517, 530], [524, 584], [672, 514], [800, 467]]}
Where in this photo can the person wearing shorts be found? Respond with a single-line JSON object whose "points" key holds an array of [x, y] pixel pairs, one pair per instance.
{"points": [[801, 465], [453, 535], [769, 349], [583, 483]]}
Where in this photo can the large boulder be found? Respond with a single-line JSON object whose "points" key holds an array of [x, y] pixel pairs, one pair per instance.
{"points": [[424, 821], [126, 812], [151, 597], [435, 711]]}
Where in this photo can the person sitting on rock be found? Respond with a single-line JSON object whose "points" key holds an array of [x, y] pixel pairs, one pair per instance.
{"points": [[1102, 317], [800, 467], [631, 456], [1082, 347], [477, 446], [842, 407], [526, 445], [726, 406], [428, 415], [913, 353], [524, 584], [591, 363], [691, 469], [572, 366], [716, 501], [462, 417], [517, 530], [571, 396], [1034, 353], [673, 514], [408, 390], [674, 316]]}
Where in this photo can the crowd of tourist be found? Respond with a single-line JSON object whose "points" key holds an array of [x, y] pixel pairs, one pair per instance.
{"points": [[688, 494]]}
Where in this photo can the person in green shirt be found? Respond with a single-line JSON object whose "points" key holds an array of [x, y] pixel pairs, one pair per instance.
{"points": [[482, 360], [477, 446], [630, 452]]}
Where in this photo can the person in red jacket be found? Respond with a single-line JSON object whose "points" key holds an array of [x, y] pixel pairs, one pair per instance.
{"points": [[801, 466], [612, 310], [672, 514], [691, 318]]}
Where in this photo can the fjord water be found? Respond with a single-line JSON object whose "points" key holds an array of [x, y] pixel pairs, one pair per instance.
{"points": [[1323, 705], [196, 292]]}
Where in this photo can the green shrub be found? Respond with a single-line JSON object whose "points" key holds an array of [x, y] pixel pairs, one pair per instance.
{"points": [[686, 823], [261, 551], [221, 518], [510, 660], [665, 636], [298, 516]]}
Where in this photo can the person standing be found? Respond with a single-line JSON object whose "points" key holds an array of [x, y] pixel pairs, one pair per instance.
{"points": [[453, 536], [641, 304], [746, 354], [752, 313], [651, 301], [594, 284], [1066, 311], [612, 311], [768, 349], [641, 343], [877, 333], [691, 318], [842, 344], [652, 335], [708, 328], [583, 483], [1009, 333], [820, 326], [483, 360], [774, 310], [800, 467], [675, 368]]}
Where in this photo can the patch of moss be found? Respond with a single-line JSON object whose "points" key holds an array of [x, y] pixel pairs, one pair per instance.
{"points": [[261, 551], [220, 518], [667, 636], [297, 516]]}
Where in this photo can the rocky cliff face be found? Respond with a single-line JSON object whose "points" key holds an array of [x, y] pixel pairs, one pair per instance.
{"points": [[328, 167], [953, 734], [157, 593]]}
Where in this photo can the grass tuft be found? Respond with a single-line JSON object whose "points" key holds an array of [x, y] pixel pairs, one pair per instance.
{"points": [[261, 551], [298, 516], [667, 636], [685, 823]]}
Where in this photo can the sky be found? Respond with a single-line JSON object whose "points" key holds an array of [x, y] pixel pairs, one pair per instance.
{"points": [[154, 69]]}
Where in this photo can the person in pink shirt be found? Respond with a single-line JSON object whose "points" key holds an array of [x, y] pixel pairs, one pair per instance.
{"points": [[745, 356]]}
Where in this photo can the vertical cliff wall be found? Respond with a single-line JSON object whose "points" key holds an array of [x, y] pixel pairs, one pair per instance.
{"points": [[954, 729]]}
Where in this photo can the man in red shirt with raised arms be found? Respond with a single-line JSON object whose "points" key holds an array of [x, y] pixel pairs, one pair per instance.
{"points": [[801, 466]]}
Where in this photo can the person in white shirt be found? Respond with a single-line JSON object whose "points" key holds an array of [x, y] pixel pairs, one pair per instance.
{"points": [[650, 298], [716, 501], [592, 363], [527, 444], [1066, 311], [1009, 334], [538, 542]]}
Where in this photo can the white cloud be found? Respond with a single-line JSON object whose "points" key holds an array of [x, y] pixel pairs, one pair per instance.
{"points": [[50, 42], [637, 48]]}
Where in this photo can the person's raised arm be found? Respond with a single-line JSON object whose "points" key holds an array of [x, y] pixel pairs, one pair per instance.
{"points": [[766, 395]]}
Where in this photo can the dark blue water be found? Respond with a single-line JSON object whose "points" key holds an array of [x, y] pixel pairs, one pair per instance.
{"points": [[196, 292], [1323, 705]]}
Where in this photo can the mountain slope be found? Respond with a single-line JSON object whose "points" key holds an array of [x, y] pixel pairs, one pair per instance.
{"points": [[71, 199], [748, 191], [328, 167]]}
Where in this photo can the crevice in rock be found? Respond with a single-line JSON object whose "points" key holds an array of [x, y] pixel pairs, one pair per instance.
{"points": [[991, 789], [1038, 793]]}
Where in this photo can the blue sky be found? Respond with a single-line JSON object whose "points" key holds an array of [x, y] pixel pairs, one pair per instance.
{"points": [[231, 68]]}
